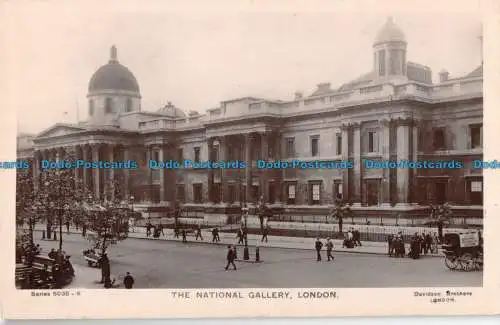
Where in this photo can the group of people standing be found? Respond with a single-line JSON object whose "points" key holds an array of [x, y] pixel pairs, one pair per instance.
{"points": [[420, 244], [352, 238]]}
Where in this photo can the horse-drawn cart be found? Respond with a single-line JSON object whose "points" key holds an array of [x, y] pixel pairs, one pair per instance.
{"points": [[463, 251]]}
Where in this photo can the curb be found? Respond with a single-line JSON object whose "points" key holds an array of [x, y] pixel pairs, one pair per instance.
{"points": [[239, 245]]}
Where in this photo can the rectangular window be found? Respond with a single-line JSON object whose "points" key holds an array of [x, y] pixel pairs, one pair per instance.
{"points": [[381, 62], [372, 192], [315, 146], [371, 141], [315, 193], [440, 192], [475, 136], [272, 193], [214, 154], [290, 147], [198, 193], [339, 143], [108, 108], [337, 190], [181, 195], [232, 192], [439, 139], [197, 154], [255, 193], [476, 192], [395, 62], [291, 189]]}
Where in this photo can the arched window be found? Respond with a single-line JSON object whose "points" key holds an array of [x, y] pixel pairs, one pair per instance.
{"points": [[108, 108], [91, 107], [128, 105]]}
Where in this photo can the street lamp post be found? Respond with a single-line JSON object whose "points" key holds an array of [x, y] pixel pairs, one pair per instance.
{"points": [[246, 253]]}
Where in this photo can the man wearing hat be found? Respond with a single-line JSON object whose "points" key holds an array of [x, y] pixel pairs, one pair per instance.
{"points": [[329, 249]]}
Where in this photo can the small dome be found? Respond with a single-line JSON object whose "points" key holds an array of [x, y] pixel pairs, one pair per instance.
{"points": [[390, 32], [113, 76]]}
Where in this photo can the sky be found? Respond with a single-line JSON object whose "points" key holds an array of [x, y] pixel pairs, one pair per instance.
{"points": [[196, 58]]}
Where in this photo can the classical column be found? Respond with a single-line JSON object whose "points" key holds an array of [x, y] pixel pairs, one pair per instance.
{"points": [[248, 171], [77, 170], [96, 171], [86, 172], [223, 144], [161, 173], [36, 169], [414, 157], [210, 183], [345, 157], [403, 153], [385, 136], [264, 152], [149, 173], [278, 173], [111, 171], [356, 145], [126, 173]]}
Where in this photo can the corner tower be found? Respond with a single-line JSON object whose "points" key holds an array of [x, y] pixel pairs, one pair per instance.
{"points": [[113, 90], [389, 52]]}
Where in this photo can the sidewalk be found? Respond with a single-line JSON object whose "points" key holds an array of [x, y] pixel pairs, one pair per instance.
{"points": [[379, 248], [89, 277]]}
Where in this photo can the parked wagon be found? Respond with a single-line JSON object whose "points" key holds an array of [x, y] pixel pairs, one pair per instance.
{"points": [[463, 251]]}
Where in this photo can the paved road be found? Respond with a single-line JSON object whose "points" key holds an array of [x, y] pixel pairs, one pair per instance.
{"points": [[166, 264]]}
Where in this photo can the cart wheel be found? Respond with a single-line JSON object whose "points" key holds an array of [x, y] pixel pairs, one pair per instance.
{"points": [[451, 262], [467, 262]]}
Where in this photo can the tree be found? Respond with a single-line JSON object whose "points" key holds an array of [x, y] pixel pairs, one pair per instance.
{"points": [[108, 224], [26, 207], [440, 214], [340, 211]]}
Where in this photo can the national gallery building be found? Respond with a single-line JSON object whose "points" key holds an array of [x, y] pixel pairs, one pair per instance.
{"points": [[394, 112]]}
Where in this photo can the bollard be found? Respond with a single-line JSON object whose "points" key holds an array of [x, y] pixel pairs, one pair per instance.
{"points": [[43, 234], [257, 254]]}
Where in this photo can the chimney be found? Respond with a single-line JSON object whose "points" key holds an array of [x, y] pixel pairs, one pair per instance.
{"points": [[298, 95], [444, 76]]}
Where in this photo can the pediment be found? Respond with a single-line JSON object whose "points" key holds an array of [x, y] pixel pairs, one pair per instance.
{"points": [[59, 130]]}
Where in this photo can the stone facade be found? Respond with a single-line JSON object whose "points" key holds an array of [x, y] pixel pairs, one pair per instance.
{"points": [[394, 112]]}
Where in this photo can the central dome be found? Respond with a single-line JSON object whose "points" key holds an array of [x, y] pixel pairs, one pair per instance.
{"points": [[390, 32], [113, 76]]}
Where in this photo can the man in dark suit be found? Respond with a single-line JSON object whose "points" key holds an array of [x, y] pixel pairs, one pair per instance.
{"points": [[318, 245], [230, 258], [128, 281]]}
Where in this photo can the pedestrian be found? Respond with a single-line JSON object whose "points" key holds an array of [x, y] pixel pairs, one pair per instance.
{"points": [[390, 246], [265, 231], [128, 281], [214, 235], [148, 229], [184, 239], [240, 236], [160, 227], [67, 226], [318, 245], [84, 229], [357, 237], [52, 254], [230, 258], [176, 232], [329, 249], [198, 232], [217, 234]]}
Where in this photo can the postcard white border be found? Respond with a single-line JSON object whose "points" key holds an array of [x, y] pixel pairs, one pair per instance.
{"points": [[157, 303]]}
